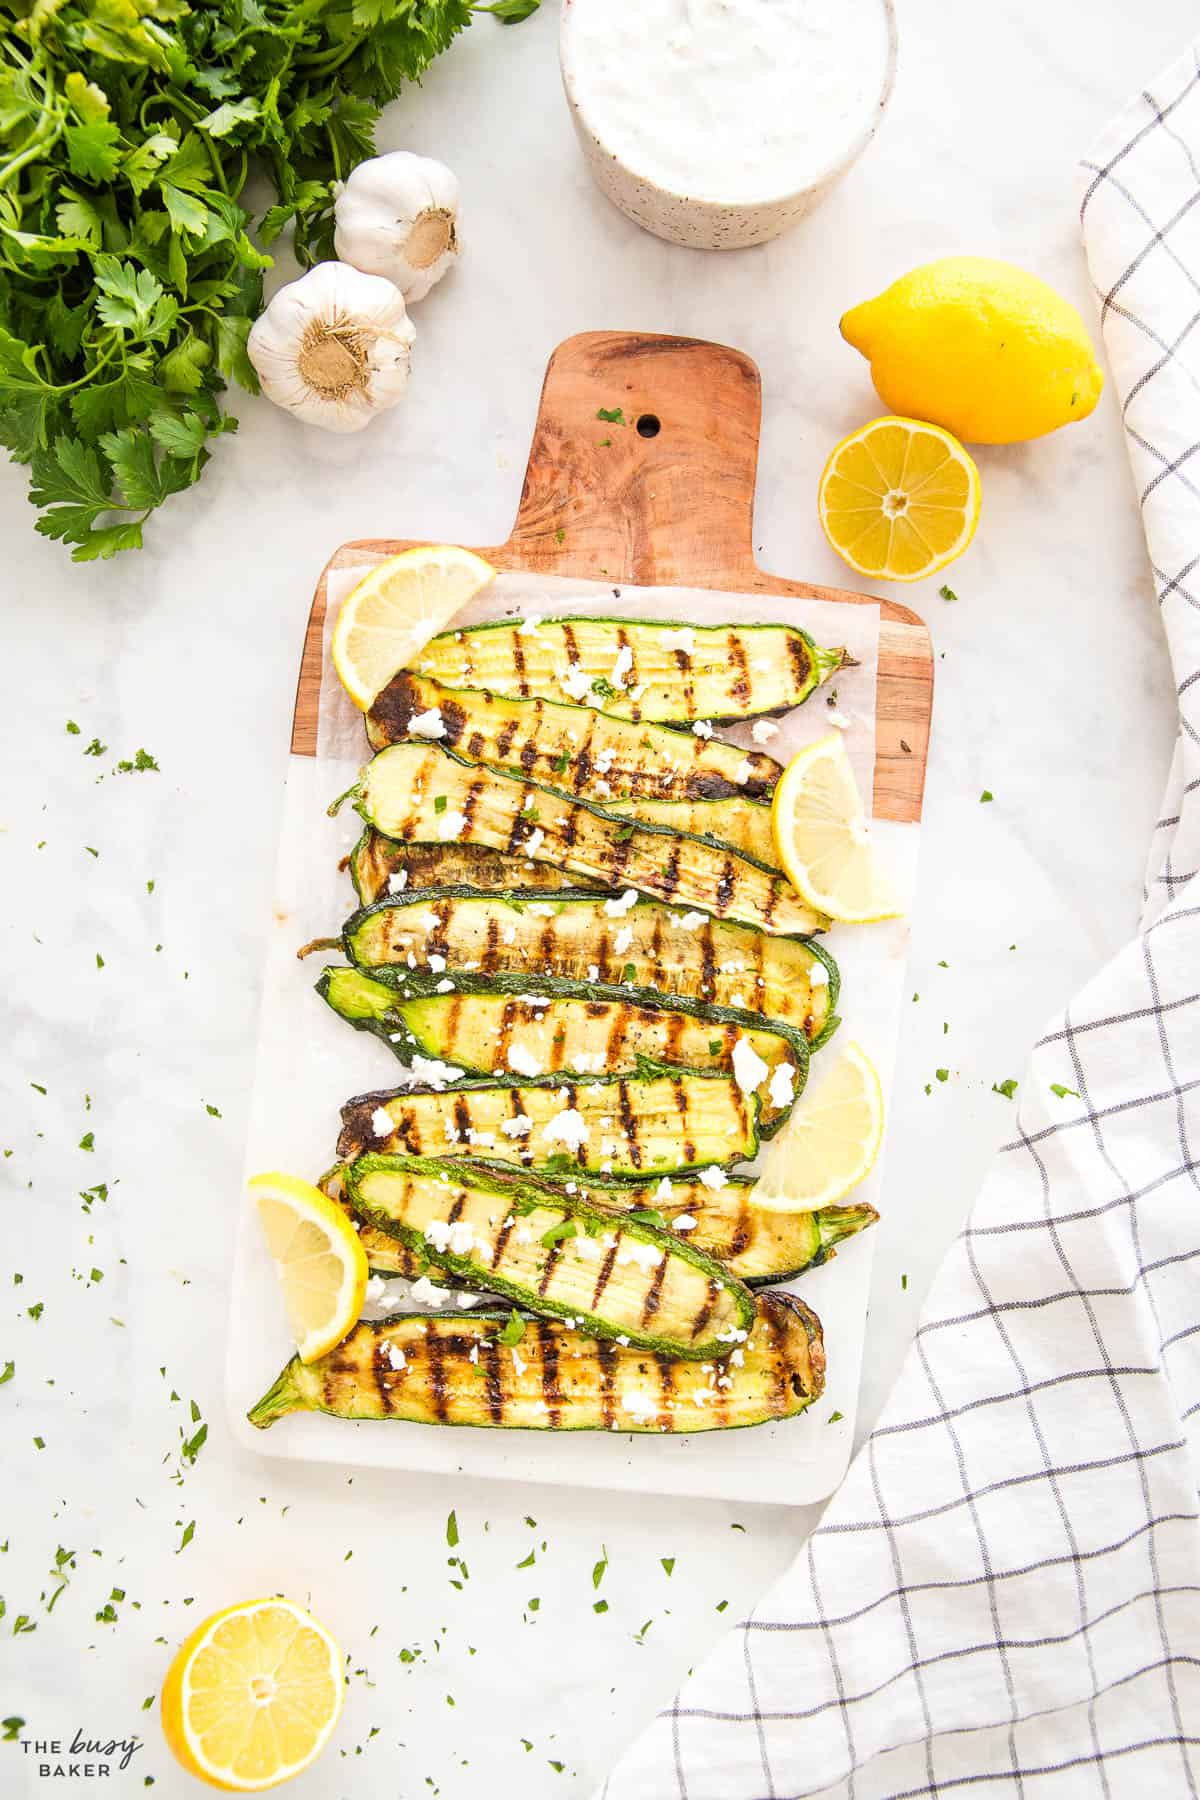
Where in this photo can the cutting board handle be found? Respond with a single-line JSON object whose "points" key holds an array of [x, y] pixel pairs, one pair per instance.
{"points": [[676, 470]]}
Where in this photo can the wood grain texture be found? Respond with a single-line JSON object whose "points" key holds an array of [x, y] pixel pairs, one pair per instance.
{"points": [[673, 508]]}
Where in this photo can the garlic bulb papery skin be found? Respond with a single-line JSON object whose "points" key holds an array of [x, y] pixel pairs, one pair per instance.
{"points": [[334, 347], [397, 216]]}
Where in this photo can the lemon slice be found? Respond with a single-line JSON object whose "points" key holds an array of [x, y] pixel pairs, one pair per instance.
{"points": [[396, 608], [899, 500], [321, 1264], [253, 1695], [830, 1142], [822, 837]]}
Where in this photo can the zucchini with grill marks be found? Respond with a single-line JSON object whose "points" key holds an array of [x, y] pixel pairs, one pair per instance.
{"points": [[741, 825], [379, 866], [755, 1243], [628, 1129], [573, 944], [420, 794], [636, 669], [607, 1273], [435, 1370], [571, 747], [490, 1034]]}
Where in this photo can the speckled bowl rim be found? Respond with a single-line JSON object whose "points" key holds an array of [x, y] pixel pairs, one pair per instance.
{"points": [[829, 173]]}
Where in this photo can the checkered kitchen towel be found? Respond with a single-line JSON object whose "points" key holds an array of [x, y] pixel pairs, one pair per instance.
{"points": [[1005, 1594]]}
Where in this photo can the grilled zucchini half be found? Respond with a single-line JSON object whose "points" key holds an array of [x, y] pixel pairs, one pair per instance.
{"points": [[435, 1370], [755, 1243], [635, 669], [491, 1034], [577, 945], [628, 1129], [742, 825], [420, 794], [380, 866], [571, 747], [609, 1273]]}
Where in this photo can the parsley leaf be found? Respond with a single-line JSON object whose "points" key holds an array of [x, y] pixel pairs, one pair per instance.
{"points": [[513, 1332], [1007, 1088], [1064, 1093]]}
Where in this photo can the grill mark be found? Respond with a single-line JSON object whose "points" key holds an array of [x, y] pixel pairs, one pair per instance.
{"points": [[518, 656], [569, 644], [677, 1024], [616, 1036], [739, 687], [666, 1383], [656, 947], [510, 845], [606, 1269], [726, 884], [502, 1236], [385, 1399], [463, 1121], [735, 1094], [491, 958], [670, 880], [475, 744], [620, 852], [775, 892], [437, 1376], [493, 1380], [551, 1394], [743, 1229], [570, 827], [552, 1262], [584, 761], [505, 736], [681, 1107], [529, 752], [455, 1212], [800, 665], [409, 1132], [629, 1124], [708, 962], [454, 718], [508, 1019], [684, 664], [653, 1300], [607, 1357], [712, 1295]]}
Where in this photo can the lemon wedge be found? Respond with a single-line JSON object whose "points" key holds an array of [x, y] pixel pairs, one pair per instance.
{"points": [[321, 1264], [253, 1695], [396, 608], [822, 837], [899, 500], [829, 1143]]}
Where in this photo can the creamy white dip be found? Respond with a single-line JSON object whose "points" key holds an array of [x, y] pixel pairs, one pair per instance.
{"points": [[728, 101]]}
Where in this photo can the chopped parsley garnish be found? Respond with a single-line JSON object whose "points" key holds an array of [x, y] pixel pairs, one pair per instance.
{"points": [[1064, 1093], [189, 1532], [600, 1606], [1007, 1088], [96, 748], [834, 1417], [559, 535], [947, 593], [560, 763], [622, 834], [715, 1046], [668, 1563], [142, 760], [10, 1369], [514, 1331], [603, 687], [942, 1074], [88, 1141], [452, 1530], [605, 443], [566, 1228], [598, 1570], [612, 415], [628, 973], [646, 1215], [527, 1562], [73, 728], [439, 803], [986, 795], [212, 1111]]}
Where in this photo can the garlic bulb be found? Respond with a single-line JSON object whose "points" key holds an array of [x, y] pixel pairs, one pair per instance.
{"points": [[397, 216], [333, 347]]}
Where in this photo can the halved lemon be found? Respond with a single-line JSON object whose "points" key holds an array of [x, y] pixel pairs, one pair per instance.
{"points": [[253, 1695], [899, 499], [321, 1264], [396, 608], [830, 1142], [822, 837]]}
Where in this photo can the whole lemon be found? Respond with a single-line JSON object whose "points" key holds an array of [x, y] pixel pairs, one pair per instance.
{"points": [[980, 347]]}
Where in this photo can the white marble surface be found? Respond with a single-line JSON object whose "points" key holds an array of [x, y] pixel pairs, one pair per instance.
{"points": [[1053, 693]]}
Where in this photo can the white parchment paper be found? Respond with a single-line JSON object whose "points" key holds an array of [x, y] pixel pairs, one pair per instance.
{"points": [[309, 1062]]}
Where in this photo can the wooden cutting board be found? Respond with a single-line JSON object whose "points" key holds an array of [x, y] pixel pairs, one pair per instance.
{"points": [[669, 500]]}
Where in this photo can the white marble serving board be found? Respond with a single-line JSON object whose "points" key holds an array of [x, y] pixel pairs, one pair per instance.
{"points": [[309, 1061]]}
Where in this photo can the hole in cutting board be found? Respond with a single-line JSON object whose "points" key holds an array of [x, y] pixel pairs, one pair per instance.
{"points": [[649, 425]]}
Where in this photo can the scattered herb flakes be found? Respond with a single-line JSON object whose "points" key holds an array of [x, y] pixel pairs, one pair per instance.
{"points": [[73, 728], [599, 1570], [513, 1332], [559, 535], [150, 887], [721, 1605], [639, 1637], [566, 1228], [907, 748], [12, 1729], [142, 760], [943, 965], [1063, 1093], [986, 795], [191, 1447], [189, 1532], [668, 1563], [612, 415], [1007, 1088], [942, 1074], [96, 748], [559, 765], [9, 1370], [715, 1046], [35, 1312], [834, 1418], [605, 443], [90, 850], [904, 1281], [452, 1530], [558, 1767], [213, 1112], [99, 960], [736, 1527], [947, 593], [37, 1086], [88, 1141], [527, 1562], [40, 1442], [599, 1606], [439, 803]]}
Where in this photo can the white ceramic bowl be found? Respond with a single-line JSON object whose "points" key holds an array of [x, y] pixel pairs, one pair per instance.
{"points": [[632, 118]]}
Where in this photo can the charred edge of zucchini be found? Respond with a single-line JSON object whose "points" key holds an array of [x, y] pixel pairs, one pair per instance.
{"points": [[389, 714], [404, 854], [521, 1199], [823, 660], [620, 821], [431, 896]]}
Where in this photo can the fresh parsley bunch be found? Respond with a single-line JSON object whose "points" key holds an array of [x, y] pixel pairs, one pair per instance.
{"points": [[128, 278]]}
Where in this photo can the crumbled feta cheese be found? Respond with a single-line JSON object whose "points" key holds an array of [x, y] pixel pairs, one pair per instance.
{"points": [[763, 730], [623, 939], [427, 724], [534, 841], [458, 1238], [540, 910], [714, 1177], [605, 760], [749, 1069], [574, 681], [518, 1126], [397, 881], [838, 718], [593, 971], [425, 1294], [465, 1300], [624, 1341], [436, 963], [518, 1362], [635, 693], [683, 1222], [474, 1356], [381, 1122], [743, 771], [646, 1256], [376, 1290], [617, 907], [604, 788], [568, 1127], [509, 934], [638, 1403], [521, 1062], [818, 975], [484, 1140], [588, 1248], [702, 728], [682, 638], [664, 1190], [737, 1358], [396, 1357], [688, 921], [529, 624], [450, 826], [782, 1084], [432, 1073], [444, 987], [622, 665]]}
